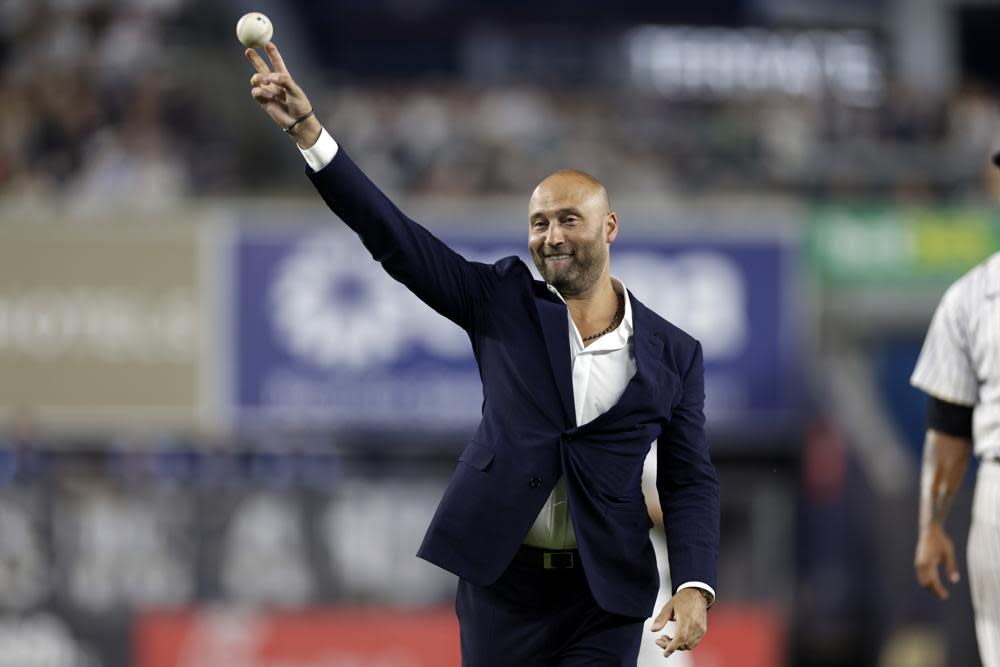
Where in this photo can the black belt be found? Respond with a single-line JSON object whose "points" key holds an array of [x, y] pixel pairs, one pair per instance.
{"points": [[547, 559]]}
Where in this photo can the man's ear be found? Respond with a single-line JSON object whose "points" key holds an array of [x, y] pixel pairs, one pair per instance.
{"points": [[611, 226]]}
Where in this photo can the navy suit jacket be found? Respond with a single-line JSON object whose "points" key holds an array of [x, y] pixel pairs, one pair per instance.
{"points": [[528, 436]]}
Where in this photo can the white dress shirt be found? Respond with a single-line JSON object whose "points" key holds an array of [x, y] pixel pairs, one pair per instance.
{"points": [[601, 371], [322, 152]]}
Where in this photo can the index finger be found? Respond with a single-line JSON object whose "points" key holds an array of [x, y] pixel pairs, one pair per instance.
{"points": [[276, 59], [257, 61]]}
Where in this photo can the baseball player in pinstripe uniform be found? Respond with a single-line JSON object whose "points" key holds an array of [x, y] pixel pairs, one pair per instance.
{"points": [[959, 368]]}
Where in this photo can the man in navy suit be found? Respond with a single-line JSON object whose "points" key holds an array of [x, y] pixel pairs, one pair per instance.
{"points": [[544, 520]]}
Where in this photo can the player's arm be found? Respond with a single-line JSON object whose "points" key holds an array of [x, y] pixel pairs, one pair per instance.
{"points": [[434, 272], [947, 449], [688, 489], [946, 373]]}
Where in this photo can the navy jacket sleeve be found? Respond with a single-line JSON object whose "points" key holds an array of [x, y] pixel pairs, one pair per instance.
{"points": [[439, 276], [687, 484]]}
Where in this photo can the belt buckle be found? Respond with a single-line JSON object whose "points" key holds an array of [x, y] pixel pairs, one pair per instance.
{"points": [[558, 560]]}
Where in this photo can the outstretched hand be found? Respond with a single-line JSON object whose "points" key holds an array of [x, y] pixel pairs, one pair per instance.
{"points": [[689, 608], [280, 97]]}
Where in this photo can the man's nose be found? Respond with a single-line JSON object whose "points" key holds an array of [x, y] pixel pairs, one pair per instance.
{"points": [[554, 235]]}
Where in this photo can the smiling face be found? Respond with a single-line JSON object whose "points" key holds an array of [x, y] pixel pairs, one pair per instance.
{"points": [[571, 228]]}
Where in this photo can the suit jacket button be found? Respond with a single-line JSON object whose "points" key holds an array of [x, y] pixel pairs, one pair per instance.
{"points": [[535, 482]]}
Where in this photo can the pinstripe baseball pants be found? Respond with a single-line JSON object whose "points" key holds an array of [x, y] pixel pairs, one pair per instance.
{"points": [[984, 562]]}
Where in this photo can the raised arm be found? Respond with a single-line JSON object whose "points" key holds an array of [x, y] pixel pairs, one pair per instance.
{"points": [[439, 276]]}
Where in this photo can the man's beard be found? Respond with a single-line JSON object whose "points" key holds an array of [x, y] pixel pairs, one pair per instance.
{"points": [[572, 276]]}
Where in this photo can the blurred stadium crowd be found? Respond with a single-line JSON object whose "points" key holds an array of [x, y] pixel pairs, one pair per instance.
{"points": [[106, 101]]}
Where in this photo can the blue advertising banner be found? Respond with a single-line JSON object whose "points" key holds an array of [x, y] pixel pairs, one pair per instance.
{"points": [[323, 335]]}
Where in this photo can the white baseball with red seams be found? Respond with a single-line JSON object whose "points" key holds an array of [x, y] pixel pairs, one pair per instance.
{"points": [[254, 30]]}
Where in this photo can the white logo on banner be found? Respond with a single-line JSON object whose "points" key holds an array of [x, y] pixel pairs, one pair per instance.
{"points": [[333, 306], [704, 293]]}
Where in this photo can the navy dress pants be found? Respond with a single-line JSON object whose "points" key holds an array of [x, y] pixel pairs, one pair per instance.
{"points": [[540, 613]]}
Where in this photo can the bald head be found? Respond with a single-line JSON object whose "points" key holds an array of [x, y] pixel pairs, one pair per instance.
{"points": [[571, 227], [570, 185]]}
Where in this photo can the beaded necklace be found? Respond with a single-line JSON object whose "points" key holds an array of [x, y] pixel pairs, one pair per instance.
{"points": [[619, 313]]}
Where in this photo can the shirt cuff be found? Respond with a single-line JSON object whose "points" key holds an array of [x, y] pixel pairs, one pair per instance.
{"points": [[703, 586], [322, 152]]}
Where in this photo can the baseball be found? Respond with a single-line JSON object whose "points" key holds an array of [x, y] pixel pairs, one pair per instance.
{"points": [[254, 30]]}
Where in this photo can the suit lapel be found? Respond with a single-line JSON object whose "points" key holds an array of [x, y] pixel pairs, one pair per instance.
{"points": [[648, 348], [648, 345], [555, 329]]}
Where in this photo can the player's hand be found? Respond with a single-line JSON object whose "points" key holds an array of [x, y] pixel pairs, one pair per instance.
{"points": [[689, 608], [934, 548], [280, 97]]}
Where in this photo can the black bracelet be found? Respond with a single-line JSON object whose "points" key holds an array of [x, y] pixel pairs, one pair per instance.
{"points": [[299, 120]]}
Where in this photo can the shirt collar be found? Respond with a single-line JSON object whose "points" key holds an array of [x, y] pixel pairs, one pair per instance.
{"points": [[614, 339]]}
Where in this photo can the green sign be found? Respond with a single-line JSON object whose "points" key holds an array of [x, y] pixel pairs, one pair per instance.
{"points": [[900, 247]]}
